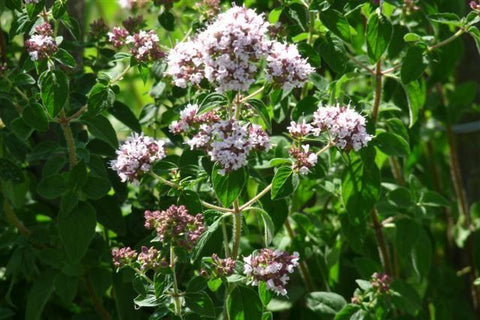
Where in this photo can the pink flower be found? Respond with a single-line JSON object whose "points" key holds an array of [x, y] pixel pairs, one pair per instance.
{"points": [[123, 257], [136, 156], [271, 267], [149, 258], [118, 37], [145, 46], [304, 159], [285, 67], [176, 226], [345, 126], [299, 130], [41, 45]]}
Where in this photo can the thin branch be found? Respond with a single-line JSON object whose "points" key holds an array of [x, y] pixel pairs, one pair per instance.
{"points": [[97, 303], [250, 96], [448, 40], [382, 245], [257, 197], [361, 64]]}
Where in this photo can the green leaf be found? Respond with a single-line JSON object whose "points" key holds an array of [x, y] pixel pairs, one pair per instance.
{"points": [[191, 200], [51, 187], [96, 187], [243, 304], [204, 239], [422, 254], [405, 297], [332, 52], [412, 37], [378, 34], [36, 117], [336, 23], [66, 287], [413, 65], [416, 96], [347, 312], [39, 295], [264, 294], [77, 229], [268, 226], [102, 129], [65, 58], [447, 18], [167, 20], [53, 90], [100, 97], [262, 110], [201, 304], [392, 144], [9, 171], [433, 199], [22, 79], [325, 303], [21, 129], [306, 106], [284, 183], [228, 186]]}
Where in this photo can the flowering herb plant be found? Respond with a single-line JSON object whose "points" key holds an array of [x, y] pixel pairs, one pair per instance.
{"points": [[258, 160]]}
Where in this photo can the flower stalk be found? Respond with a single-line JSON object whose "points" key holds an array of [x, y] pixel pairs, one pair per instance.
{"points": [[176, 297]]}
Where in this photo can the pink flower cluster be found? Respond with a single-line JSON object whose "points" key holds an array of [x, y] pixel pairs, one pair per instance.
{"points": [[123, 256], [286, 67], [475, 5], [190, 117], [272, 267], [41, 45], [222, 267], [176, 226], [345, 126], [305, 159], [136, 156], [381, 282], [144, 45], [227, 53], [299, 130], [229, 142], [148, 258]]}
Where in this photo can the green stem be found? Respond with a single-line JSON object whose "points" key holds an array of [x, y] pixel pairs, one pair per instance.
{"points": [[67, 131], [237, 229], [256, 198], [448, 40], [176, 296], [250, 96]]}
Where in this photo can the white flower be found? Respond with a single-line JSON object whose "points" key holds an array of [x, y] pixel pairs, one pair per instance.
{"points": [[132, 4], [225, 53], [136, 156], [286, 67], [298, 130], [345, 126]]}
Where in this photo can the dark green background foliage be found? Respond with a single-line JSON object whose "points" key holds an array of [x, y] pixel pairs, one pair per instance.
{"points": [[407, 205]]}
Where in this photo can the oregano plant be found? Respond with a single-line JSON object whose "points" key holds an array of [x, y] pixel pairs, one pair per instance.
{"points": [[239, 160]]}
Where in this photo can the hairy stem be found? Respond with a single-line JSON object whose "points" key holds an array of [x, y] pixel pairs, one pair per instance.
{"points": [[237, 229], [176, 296], [67, 131], [304, 271]]}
